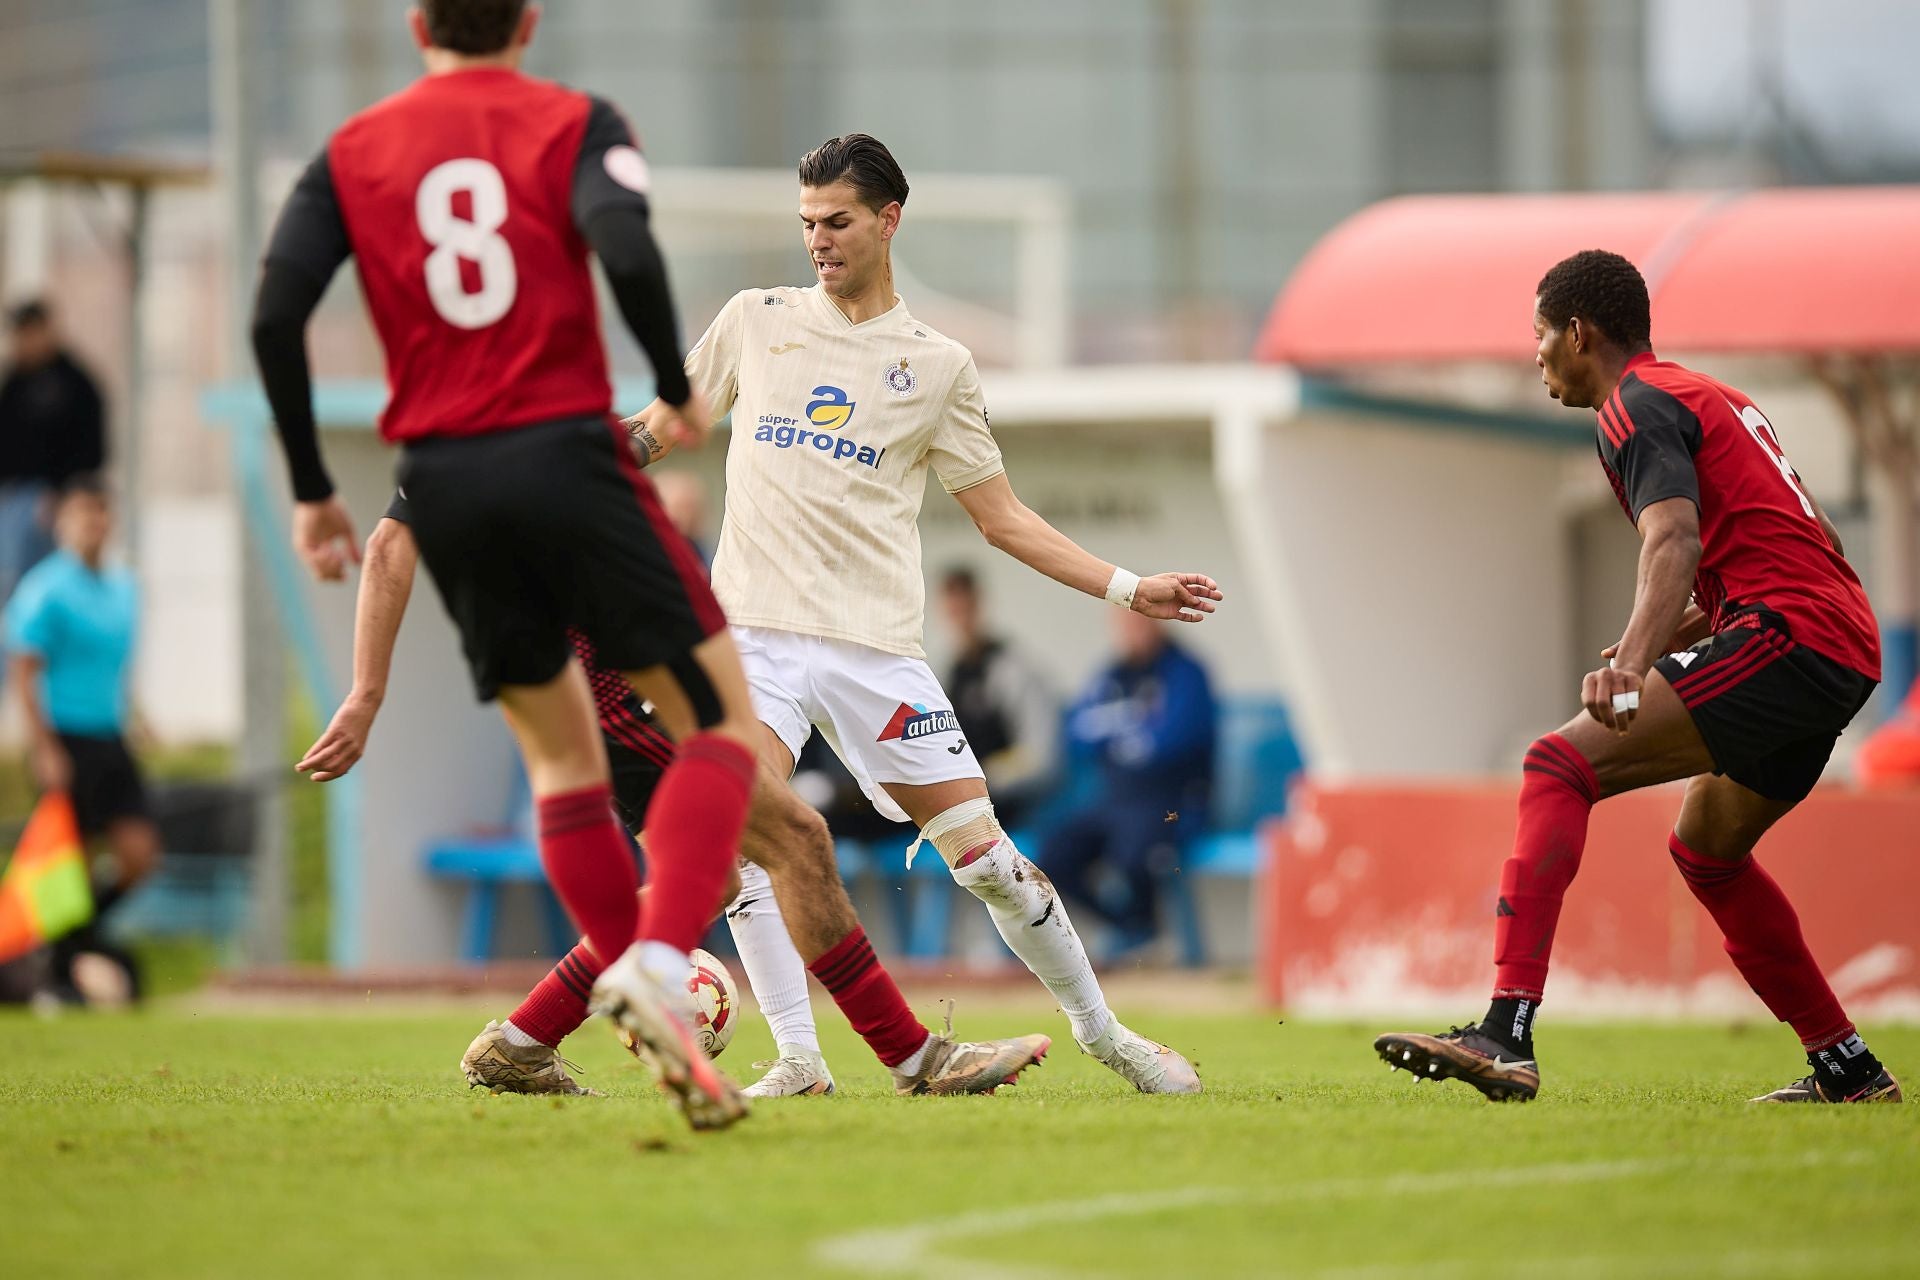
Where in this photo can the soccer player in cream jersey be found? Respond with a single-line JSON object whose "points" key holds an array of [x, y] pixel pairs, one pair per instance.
{"points": [[841, 401]]}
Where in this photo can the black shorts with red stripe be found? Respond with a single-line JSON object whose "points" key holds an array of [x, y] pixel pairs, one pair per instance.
{"points": [[1768, 709], [534, 530]]}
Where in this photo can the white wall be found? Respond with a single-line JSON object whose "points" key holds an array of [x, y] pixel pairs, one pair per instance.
{"points": [[1425, 571]]}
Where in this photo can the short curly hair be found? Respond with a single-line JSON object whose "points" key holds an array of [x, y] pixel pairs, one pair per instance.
{"points": [[1602, 288]]}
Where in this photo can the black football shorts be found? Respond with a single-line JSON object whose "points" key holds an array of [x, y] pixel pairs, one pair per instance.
{"points": [[530, 530], [107, 785], [1768, 709]]}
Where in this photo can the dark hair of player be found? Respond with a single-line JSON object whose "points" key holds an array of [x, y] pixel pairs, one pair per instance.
{"points": [[960, 577], [1603, 289], [88, 484], [29, 314], [471, 26], [863, 162]]}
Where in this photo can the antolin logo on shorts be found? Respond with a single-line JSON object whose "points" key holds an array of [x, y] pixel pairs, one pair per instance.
{"points": [[913, 721], [829, 410]]}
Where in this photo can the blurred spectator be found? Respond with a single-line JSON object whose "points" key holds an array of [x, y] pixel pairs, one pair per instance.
{"points": [[684, 499], [1149, 721], [70, 631], [51, 429], [1003, 705]]}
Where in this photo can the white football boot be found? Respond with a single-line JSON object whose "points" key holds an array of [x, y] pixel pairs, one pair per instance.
{"points": [[659, 1030], [1145, 1064], [795, 1073]]}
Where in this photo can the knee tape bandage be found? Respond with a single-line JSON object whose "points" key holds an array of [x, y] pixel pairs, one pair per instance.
{"points": [[968, 825]]}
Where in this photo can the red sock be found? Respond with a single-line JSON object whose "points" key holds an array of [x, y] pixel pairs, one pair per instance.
{"points": [[1557, 795], [590, 865], [1764, 940], [557, 1006], [866, 993], [693, 837]]}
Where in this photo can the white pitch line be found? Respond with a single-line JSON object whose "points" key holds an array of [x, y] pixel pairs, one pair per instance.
{"points": [[911, 1251]]}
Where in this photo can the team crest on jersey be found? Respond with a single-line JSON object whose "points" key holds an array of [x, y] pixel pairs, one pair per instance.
{"points": [[914, 721], [900, 379], [831, 409]]}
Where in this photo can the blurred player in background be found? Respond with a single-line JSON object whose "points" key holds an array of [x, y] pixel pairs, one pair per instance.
{"points": [[471, 201], [1774, 656], [1149, 719], [1010, 716], [783, 835], [841, 401]]}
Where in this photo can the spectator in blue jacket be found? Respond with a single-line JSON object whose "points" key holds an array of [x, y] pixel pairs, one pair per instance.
{"points": [[1149, 721]]}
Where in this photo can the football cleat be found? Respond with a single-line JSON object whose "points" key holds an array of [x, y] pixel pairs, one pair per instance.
{"points": [[949, 1066], [796, 1073], [1882, 1088], [494, 1062], [1145, 1064], [1464, 1053], [657, 1030]]}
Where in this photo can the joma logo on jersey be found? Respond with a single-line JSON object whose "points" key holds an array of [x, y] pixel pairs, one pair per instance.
{"points": [[831, 409], [913, 721]]}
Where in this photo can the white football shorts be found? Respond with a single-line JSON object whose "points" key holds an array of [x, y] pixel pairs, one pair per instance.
{"points": [[884, 714]]}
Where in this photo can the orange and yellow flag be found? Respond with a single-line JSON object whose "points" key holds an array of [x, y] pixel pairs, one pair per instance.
{"points": [[44, 893]]}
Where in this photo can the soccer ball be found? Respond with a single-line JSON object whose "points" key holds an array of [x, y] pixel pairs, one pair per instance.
{"points": [[715, 1008]]}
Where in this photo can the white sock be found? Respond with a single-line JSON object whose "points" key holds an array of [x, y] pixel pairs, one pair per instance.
{"points": [[1033, 920], [774, 968], [517, 1037], [912, 1065]]}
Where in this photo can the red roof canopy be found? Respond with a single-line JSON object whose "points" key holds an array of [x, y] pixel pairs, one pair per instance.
{"points": [[1433, 278]]}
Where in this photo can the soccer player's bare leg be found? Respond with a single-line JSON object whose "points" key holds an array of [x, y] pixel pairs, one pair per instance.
{"points": [[700, 807], [1565, 775], [956, 817]]}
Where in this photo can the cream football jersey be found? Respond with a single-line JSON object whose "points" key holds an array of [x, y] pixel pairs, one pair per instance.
{"points": [[834, 427]]}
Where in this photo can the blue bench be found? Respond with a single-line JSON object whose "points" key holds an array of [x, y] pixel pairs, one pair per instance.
{"points": [[487, 864]]}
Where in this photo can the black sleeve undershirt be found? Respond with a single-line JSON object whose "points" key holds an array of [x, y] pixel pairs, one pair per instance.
{"points": [[1654, 459], [308, 245], [612, 216]]}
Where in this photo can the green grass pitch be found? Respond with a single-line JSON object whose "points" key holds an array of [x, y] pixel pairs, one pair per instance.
{"points": [[338, 1142]]}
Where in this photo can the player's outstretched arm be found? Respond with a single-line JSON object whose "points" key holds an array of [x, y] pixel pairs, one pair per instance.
{"points": [[1013, 527], [386, 584]]}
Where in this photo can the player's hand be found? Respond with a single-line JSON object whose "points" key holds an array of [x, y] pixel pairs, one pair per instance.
{"points": [[345, 740], [1176, 597], [323, 537], [52, 766], [1612, 696], [681, 425]]}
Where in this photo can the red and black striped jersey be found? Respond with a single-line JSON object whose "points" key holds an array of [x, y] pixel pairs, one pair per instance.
{"points": [[624, 718], [1670, 432]]}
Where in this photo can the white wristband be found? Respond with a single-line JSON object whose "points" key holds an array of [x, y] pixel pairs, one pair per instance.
{"points": [[1120, 590]]}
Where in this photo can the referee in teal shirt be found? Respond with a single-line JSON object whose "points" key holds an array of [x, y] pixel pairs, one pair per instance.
{"points": [[70, 630]]}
